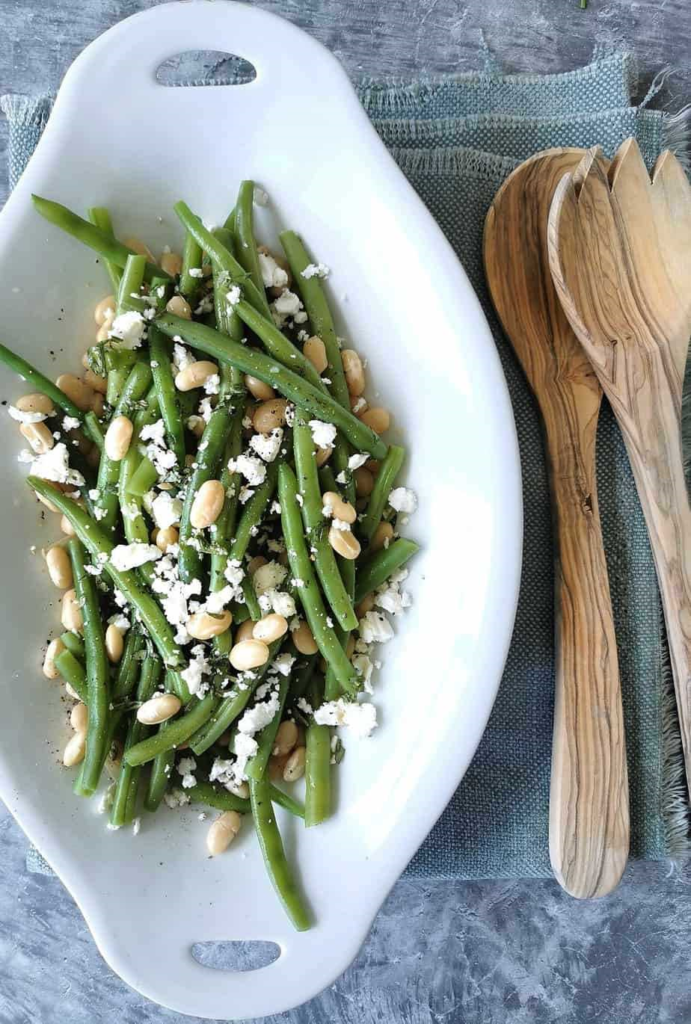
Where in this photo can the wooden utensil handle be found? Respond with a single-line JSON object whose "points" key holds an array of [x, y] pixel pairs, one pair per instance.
{"points": [[589, 809]]}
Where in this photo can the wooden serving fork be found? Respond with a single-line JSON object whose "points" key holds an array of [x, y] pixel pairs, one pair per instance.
{"points": [[589, 811], [620, 256]]}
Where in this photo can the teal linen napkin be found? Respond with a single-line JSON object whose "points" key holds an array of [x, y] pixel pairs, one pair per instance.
{"points": [[457, 139]]}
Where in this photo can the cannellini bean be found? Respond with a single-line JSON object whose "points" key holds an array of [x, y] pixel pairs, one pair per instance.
{"points": [[245, 631], [39, 437], [75, 750], [207, 505], [196, 425], [103, 308], [295, 765], [358, 404], [95, 381], [114, 643], [171, 263], [180, 307], [255, 563], [47, 502], [303, 639], [202, 625], [350, 646], [240, 789], [159, 709], [269, 415], [93, 457], [195, 375], [36, 403], [98, 405], [364, 482], [223, 832], [376, 419], [366, 605], [166, 537], [270, 628], [79, 718], [76, 390], [103, 333], [276, 766], [338, 508], [344, 543], [354, 372], [50, 670], [66, 527], [315, 350], [71, 613], [59, 567], [323, 455], [141, 248], [249, 654], [258, 389], [118, 438], [286, 738], [381, 537]]}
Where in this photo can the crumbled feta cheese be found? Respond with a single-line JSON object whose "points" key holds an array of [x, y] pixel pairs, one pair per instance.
{"points": [[250, 467], [129, 328], [402, 499], [94, 493], [53, 465], [205, 409], [315, 270], [163, 459], [136, 826], [27, 417], [340, 524], [341, 478], [70, 423], [360, 719], [267, 576], [119, 620], [273, 276], [303, 706], [260, 197], [290, 414], [287, 304], [100, 513], [283, 664], [175, 798], [206, 305], [275, 507], [186, 767], [357, 460], [198, 667], [363, 666], [275, 600], [166, 510], [267, 446], [375, 628], [235, 574], [323, 434], [212, 384], [129, 556], [392, 600], [195, 272], [182, 357], [359, 405], [106, 801]]}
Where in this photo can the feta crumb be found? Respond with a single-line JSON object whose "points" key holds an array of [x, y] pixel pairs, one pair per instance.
{"points": [[233, 296], [166, 510], [340, 524], [119, 620], [260, 197], [182, 357], [250, 467], [136, 826], [129, 556], [267, 446], [359, 405], [375, 628], [275, 600], [303, 706], [363, 666], [315, 270], [129, 328], [323, 434], [273, 276], [195, 272], [268, 576], [402, 499], [360, 719], [175, 798], [186, 767], [53, 465], [355, 461], [27, 417], [205, 409], [283, 664], [212, 384], [70, 423]]}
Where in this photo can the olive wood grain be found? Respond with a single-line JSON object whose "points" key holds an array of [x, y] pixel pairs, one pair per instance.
{"points": [[589, 812], [620, 256]]}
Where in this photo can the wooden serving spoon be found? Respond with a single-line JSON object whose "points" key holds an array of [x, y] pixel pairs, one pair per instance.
{"points": [[620, 256], [589, 809]]}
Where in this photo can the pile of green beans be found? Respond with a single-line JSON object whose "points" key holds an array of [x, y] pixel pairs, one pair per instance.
{"points": [[140, 549]]}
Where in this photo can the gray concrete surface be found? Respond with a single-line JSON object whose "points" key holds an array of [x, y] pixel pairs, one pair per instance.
{"points": [[496, 952]]}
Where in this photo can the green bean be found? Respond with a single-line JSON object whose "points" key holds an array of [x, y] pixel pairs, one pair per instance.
{"points": [[74, 644], [179, 731], [100, 218], [143, 478], [191, 260], [319, 404], [124, 801], [258, 763], [230, 708], [72, 671], [277, 345], [229, 223], [129, 664], [317, 308], [308, 590], [93, 427], [247, 253], [129, 295], [301, 678], [108, 247], [377, 569], [216, 796], [135, 387], [226, 522], [253, 606], [317, 774], [96, 669], [167, 395], [274, 856], [207, 462], [384, 481], [134, 524], [97, 542], [161, 770], [286, 802], [219, 254], [120, 360], [315, 524], [34, 377], [159, 293], [254, 511], [227, 320]]}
